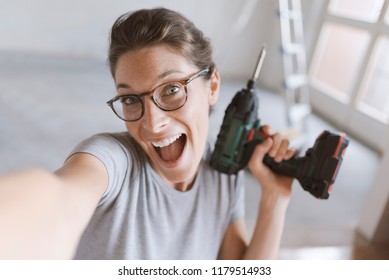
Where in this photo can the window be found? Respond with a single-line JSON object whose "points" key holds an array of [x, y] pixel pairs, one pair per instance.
{"points": [[364, 10], [387, 16], [338, 58], [374, 96], [349, 70]]}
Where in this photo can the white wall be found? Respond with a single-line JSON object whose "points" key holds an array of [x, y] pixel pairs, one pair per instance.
{"points": [[374, 220], [80, 28]]}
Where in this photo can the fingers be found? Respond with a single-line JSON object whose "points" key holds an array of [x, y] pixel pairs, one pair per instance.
{"points": [[289, 154], [265, 128], [261, 150], [279, 150], [277, 144], [282, 150], [256, 164]]}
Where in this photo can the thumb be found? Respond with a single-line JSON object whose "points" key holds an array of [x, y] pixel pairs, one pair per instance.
{"points": [[259, 153], [262, 149]]}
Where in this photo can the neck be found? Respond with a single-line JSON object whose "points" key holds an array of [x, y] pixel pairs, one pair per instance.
{"points": [[183, 186]]}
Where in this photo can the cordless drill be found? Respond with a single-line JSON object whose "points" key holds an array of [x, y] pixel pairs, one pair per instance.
{"points": [[241, 131]]}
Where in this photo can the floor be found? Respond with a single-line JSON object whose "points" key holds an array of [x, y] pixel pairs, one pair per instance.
{"points": [[49, 104]]}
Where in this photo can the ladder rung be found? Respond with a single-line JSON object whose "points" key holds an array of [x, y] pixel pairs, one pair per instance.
{"points": [[292, 48], [298, 112], [290, 14], [295, 81]]}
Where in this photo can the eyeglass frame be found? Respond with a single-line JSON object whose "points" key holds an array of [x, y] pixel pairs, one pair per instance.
{"points": [[140, 96]]}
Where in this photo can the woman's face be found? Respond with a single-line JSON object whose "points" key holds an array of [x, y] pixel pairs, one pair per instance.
{"points": [[173, 140]]}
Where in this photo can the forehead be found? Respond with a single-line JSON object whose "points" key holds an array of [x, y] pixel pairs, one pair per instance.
{"points": [[149, 64]]}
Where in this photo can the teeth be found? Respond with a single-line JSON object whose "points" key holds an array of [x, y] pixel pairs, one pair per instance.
{"points": [[166, 142]]}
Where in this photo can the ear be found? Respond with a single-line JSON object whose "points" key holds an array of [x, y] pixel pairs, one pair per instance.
{"points": [[214, 87]]}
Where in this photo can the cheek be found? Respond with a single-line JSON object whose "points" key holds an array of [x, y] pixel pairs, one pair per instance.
{"points": [[129, 127], [198, 104], [133, 130], [197, 114]]}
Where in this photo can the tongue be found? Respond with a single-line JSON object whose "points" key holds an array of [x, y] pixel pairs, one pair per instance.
{"points": [[172, 152]]}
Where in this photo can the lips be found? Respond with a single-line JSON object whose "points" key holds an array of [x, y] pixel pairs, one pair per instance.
{"points": [[170, 149]]}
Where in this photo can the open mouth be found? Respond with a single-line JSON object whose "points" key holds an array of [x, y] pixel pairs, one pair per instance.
{"points": [[170, 149]]}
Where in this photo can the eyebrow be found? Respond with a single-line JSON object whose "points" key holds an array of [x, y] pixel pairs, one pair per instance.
{"points": [[161, 76]]}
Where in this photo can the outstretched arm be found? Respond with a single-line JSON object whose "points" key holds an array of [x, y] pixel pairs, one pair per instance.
{"points": [[42, 215]]}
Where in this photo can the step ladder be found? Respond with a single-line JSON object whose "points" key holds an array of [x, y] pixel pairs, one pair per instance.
{"points": [[295, 66]]}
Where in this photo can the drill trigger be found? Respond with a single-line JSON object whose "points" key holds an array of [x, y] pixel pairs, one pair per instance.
{"points": [[263, 134], [251, 135]]}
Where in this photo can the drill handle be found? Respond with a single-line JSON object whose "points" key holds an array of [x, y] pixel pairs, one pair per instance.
{"points": [[288, 167]]}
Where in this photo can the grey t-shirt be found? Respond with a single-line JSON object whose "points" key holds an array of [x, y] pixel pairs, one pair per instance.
{"points": [[141, 217]]}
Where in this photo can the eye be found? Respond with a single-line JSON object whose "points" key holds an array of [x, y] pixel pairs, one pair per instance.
{"points": [[130, 100], [171, 89]]}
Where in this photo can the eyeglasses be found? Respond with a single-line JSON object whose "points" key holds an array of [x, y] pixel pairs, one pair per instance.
{"points": [[168, 97]]}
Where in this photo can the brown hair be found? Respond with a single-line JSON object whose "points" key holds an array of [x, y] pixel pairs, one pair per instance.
{"points": [[150, 27]]}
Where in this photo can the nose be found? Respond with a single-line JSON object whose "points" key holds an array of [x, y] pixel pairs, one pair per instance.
{"points": [[154, 119]]}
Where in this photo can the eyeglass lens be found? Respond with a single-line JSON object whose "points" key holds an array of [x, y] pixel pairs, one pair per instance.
{"points": [[168, 97]]}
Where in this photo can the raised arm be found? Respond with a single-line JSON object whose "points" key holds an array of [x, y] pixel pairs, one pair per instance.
{"points": [[275, 196], [43, 214]]}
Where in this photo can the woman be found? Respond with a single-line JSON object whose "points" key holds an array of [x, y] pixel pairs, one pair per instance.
{"points": [[148, 193]]}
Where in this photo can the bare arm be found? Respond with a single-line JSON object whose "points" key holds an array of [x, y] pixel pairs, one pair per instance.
{"points": [[266, 238], [276, 191], [42, 215]]}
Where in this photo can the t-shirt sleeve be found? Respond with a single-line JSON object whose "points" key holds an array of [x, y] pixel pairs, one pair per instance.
{"points": [[114, 157], [238, 202]]}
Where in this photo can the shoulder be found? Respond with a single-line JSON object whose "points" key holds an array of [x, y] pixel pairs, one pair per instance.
{"points": [[109, 140], [120, 154], [109, 145]]}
